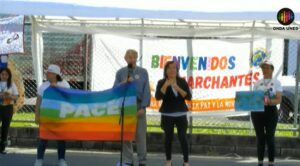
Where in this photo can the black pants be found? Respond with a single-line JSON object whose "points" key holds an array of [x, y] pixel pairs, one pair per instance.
{"points": [[167, 124], [265, 126], [6, 113]]}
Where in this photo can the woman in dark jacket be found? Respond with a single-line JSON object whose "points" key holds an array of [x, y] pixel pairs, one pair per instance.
{"points": [[173, 91]]}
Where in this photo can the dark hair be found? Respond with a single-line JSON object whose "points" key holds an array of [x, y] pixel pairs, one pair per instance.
{"points": [[58, 78], [271, 66], [167, 66], [9, 80]]}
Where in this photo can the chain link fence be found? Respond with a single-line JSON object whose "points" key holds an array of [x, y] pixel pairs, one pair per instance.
{"points": [[286, 111], [69, 51], [95, 70]]}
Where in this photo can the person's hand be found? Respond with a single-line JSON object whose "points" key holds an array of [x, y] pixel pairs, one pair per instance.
{"points": [[176, 87], [53, 84], [266, 100], [168, 82], [130, 79], [6, 96], [141, 112]]}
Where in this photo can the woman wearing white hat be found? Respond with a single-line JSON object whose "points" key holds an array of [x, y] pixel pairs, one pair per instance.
{"points": [[53, 79], [265, 122]]}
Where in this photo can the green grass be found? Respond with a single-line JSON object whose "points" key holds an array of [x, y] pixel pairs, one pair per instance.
{"points": [[212, 128], [23, 124], [23, 120], [23, 116], [27, 120], [216, 131]]}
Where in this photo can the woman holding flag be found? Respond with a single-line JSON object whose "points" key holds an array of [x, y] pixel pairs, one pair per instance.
{"points": [[53, 79]]}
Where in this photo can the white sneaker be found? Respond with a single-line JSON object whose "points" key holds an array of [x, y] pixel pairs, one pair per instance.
{"points": [[38, 162], [62, 162]]}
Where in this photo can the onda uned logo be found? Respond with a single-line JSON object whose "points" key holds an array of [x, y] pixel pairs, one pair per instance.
{"points": [[286, 17]]}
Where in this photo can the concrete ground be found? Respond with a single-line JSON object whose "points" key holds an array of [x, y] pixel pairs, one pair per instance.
{"points": [[26, 157]]}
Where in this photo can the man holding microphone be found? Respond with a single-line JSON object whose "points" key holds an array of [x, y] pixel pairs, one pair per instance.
{"points": [[128, 74]]}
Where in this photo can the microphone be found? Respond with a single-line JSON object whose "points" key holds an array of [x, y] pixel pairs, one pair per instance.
{"points": [[130, 71]]}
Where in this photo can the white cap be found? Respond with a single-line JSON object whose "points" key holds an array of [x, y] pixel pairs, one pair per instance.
{"points": [[267, 62], [54, 69]]}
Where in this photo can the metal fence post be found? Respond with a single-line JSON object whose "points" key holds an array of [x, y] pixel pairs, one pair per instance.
{"points": [[190, 73], [86, 52], [297, 89], [141, 43], [191, 131], [37, 51], [250, 66]]}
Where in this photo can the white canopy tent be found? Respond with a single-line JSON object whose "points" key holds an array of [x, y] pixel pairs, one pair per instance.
{"points": [[158, 9], [142, 18]]}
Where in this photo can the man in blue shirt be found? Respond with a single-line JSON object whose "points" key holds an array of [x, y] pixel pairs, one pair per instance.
{"points": [[140, 75]]}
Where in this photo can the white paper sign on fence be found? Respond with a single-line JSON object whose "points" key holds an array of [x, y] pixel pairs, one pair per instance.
{"points": [[12, 35]]}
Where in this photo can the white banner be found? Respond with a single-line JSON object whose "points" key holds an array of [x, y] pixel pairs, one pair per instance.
{"points": [[12, 35], [215, 71]]}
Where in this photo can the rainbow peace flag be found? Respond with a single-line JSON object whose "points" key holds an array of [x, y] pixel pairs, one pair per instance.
{"points": [[69, 114]]}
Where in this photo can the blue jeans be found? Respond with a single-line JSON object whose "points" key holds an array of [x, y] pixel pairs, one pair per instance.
{"points": [[61, 149]]}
